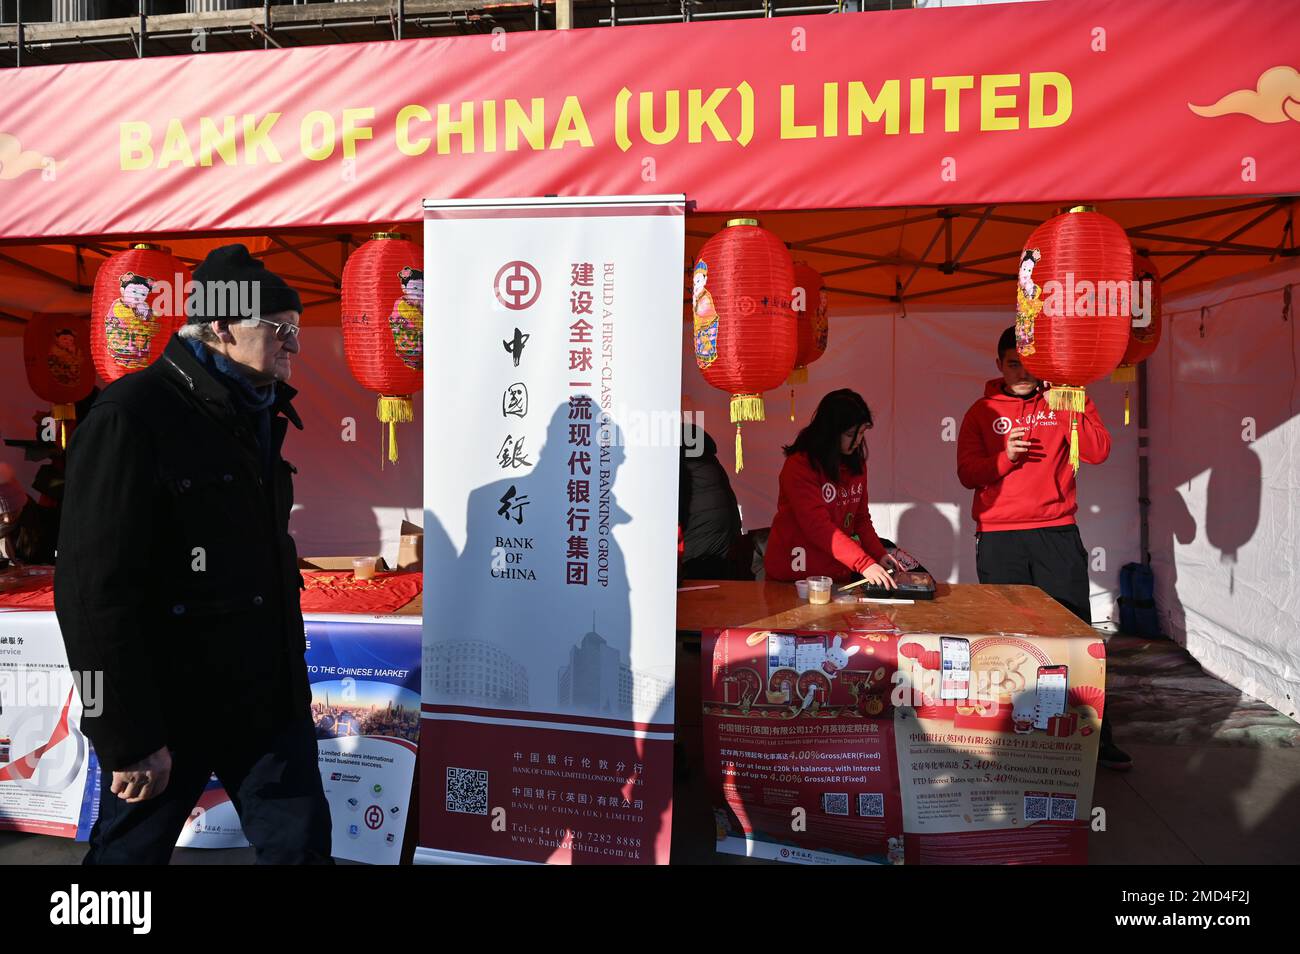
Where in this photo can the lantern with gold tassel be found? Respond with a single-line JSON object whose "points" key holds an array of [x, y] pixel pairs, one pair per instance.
{"points": [[1144, 335], [1073, 307], [56, 353], [138, 303], [744, 329], [809, 302], [383, 325]]}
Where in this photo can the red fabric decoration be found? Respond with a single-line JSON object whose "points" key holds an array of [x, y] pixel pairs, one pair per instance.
{"points": [[60, 368], [383, 325], [34, 591], [139, 302], [1073, 306], [745, 332], [328, 591], [333, 591]]}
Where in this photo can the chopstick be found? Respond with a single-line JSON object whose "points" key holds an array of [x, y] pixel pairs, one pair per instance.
{"points": [[852, 585], [859, 583]]}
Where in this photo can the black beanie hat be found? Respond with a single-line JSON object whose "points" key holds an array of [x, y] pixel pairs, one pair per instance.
{"points": [[233, 263]]}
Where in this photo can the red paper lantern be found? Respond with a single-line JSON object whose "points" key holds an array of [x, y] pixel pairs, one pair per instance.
{"points": [[745, 335], [1144, 335], [60, 369], [1074, 306], [139, 302], [383, 325], [810, 303]]}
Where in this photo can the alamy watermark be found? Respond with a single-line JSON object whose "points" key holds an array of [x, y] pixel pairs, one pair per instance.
{"points": [[1085, 298], [179, 297], [29, 686]]}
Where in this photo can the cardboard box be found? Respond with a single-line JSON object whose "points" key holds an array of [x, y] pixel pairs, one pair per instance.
{"points": [[336, 563], [410, 551]]}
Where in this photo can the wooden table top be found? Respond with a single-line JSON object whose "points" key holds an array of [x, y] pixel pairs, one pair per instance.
{"points": [[959, 608]]}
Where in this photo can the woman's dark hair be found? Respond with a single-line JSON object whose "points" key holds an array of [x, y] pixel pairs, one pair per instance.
{"points": [[820, 440]]}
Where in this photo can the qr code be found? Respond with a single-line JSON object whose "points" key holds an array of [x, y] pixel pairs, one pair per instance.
{"points": [[835, 803], [871, 805], [467, 791], [1063, 809], [1035, 808]]}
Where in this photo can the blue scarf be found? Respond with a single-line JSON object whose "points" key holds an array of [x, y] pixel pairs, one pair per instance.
{"points": [[255, 402]]}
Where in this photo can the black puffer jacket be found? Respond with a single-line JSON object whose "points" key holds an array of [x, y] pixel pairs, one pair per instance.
{"points": [[707, 510], [176, 575]]}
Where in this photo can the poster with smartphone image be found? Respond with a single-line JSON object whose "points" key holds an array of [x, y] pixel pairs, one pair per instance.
{"points": [[996, 740], [1050, 695], [954, 654]]}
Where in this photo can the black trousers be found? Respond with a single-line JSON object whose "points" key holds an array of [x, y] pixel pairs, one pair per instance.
{"points": [[273, 782], [1050, 558]]}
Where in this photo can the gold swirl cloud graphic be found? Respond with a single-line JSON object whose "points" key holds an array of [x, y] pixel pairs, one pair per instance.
{"points": [[14, 160], [1275, 99]]}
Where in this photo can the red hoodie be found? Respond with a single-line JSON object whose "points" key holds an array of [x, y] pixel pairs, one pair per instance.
{"points": [[1026, 494], [821, 517]]}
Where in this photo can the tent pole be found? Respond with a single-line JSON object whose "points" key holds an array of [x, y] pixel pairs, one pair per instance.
{"points": [[1144, 473], [1199, 216], [970, 236], [1227, 239]]}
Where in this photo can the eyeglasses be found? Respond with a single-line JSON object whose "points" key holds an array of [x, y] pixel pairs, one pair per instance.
{"points": [[284, 330]]}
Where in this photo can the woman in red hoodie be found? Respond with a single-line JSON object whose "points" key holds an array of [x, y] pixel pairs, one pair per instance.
{"points": [[822, 525]]}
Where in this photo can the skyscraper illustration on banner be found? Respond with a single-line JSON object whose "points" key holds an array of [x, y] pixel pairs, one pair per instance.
{"points": [[597, 679]]}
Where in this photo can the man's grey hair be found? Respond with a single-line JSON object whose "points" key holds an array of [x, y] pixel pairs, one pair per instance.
{"points": [[203, 331]]}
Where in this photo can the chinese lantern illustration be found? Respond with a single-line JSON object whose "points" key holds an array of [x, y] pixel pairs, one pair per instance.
{"points": [[383, 325], [139, 301], [1144, 335], [744, 328], [1073, 309], [56, 353], [810, 304]]}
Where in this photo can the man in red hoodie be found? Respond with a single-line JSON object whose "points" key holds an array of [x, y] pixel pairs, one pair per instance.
{"points": [[1014, 452]]}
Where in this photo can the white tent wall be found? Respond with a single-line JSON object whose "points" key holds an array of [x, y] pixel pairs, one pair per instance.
{"points": [[344, 503], [1225, 482], [920, 373]]}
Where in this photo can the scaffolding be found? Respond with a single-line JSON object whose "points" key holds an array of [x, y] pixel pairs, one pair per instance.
{"points": [[33, 33]]}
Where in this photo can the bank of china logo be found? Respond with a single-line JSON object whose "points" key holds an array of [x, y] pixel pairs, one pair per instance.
{"points": [[828, 492], [1002, 425]]}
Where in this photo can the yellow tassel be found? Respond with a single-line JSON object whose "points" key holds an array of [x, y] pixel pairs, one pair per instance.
{"points": [[1124, 374], [1074, 444], [1067, 398], [792, 405], [747, 407], [392, 411], [1126, 415], [63, 413], [740, 452]]}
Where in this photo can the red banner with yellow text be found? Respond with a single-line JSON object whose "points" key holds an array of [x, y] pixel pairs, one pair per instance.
{"points": [[1018, 103]]}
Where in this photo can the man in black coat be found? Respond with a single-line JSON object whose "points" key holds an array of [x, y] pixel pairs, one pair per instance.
{"points": [[177, 579]]}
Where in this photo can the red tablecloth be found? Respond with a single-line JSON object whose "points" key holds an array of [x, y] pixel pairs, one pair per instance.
{"points": [[18, 590], [335, 591], [328, 591]]}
